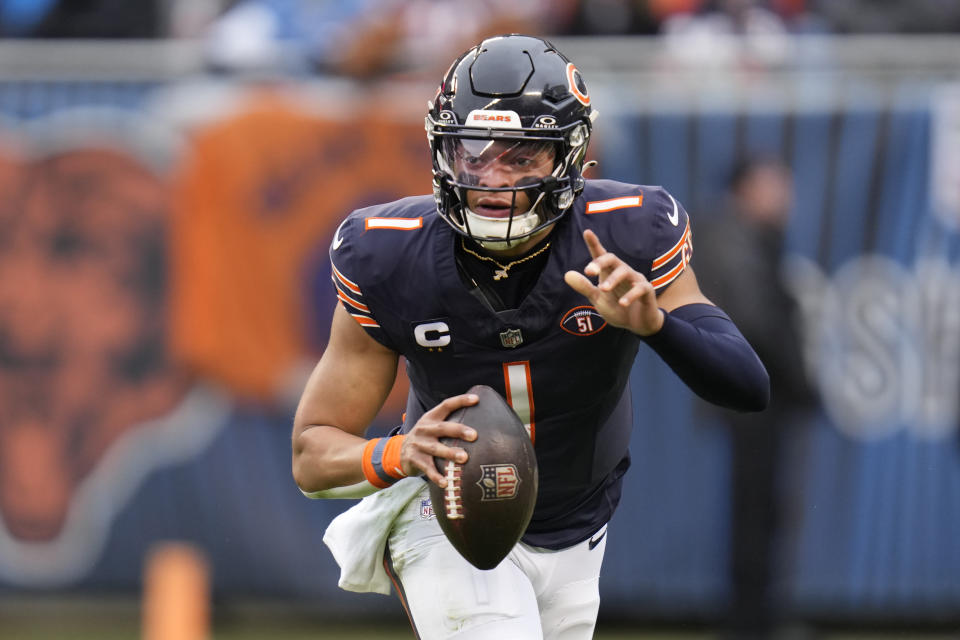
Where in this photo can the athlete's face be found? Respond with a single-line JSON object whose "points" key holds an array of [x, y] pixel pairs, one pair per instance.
{"points": [[501, 165]]}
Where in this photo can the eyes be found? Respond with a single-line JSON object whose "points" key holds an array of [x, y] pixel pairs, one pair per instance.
{"points": [[511, 160], [517, 158]]}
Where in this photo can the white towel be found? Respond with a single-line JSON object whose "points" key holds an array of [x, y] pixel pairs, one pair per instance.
{"points": [[358, 536]]}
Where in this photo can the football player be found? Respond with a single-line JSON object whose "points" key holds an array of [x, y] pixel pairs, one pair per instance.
{"points": [[520, 274]]}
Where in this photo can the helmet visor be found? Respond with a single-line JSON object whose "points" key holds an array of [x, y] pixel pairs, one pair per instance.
{"points": [[498, 163]]}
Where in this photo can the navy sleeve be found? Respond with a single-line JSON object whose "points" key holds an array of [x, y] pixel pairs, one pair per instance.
{"points": [[707, 351]]}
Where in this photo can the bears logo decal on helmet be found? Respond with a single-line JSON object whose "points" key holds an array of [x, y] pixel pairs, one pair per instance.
{"points": [[577, 86]]}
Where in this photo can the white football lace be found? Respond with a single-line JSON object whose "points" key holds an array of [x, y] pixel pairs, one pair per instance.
{"points": [[452, 492]]}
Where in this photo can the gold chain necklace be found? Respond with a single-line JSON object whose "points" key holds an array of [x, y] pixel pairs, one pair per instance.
{"points": [[504, 268]]}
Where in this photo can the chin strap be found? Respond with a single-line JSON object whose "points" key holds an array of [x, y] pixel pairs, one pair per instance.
{"points": [[484, 227]]}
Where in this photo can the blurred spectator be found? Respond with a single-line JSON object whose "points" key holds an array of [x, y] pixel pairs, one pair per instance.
{"points": [[82, 18], [724, 32], [20, 17], [192, 18], [648, 17], [367, 39], [263, 34], [889, 16], [789, 9], [747, 239], [615, 17], [663, 9]]}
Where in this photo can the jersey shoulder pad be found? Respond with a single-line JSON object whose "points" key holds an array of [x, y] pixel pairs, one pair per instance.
{"points": [[605, 198], [368, 245], [645, 225], [672, 241]]}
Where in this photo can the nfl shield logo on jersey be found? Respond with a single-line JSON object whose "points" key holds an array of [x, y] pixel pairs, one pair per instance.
{"points": [[498, 482], [426, 510], [511, 338]]}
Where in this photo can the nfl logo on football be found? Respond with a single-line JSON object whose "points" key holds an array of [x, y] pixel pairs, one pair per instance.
{"points": [[498, 482]]}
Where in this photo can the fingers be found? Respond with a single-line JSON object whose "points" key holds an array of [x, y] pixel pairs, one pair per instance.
{"points": [[637, 287], [622, 295], [423, 443], [613, 274], [581, 284], [424, 448], [448, 406], [593, 243], [638, 291], [621, 276], [603, 260], [610, 271]]}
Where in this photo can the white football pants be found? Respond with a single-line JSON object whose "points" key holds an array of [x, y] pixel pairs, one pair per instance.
{"points": [[533, 594]]}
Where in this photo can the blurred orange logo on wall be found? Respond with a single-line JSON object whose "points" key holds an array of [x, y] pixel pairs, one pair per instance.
{"points": [[139, 300], [82, 337]]}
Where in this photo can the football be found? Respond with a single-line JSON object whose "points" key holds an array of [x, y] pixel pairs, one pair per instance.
{"points": [[489, 500]]}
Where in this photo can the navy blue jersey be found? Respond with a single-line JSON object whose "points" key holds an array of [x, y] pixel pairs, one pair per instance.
{"points": [[555, 359]]}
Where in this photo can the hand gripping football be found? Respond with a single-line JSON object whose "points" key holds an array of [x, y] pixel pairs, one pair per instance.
{"points": [[489, 500]]}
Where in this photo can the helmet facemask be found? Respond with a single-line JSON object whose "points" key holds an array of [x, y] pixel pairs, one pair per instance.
{"points": [[509, 95], [500, 190]]}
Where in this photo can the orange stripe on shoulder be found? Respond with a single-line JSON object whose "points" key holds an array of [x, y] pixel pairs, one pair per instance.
{"points": [[401, 224], [674, 250], [364, 321], [669, 276], [344, 280], [602, 206], [353, 303]]}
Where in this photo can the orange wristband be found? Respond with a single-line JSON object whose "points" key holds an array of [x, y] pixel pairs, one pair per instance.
{"points": [[381, 461]]}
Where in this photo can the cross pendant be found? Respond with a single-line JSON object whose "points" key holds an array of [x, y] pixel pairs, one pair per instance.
{"points": [[500, 273]]}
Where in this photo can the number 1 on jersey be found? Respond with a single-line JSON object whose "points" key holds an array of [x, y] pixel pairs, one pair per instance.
{"points": [[516, 377]]}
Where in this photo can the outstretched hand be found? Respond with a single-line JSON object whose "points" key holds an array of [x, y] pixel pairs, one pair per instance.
{"points": [[622, 295], [422, 443]]}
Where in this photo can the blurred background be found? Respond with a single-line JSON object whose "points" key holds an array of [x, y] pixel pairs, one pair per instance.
{"points": [[172, 172]]}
